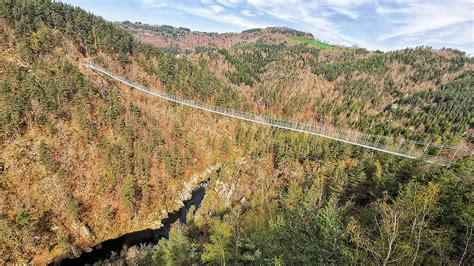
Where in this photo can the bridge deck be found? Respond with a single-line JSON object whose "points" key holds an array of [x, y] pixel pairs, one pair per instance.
{"points": [[432, 153]]}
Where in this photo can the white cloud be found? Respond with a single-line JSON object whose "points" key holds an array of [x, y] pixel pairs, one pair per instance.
{"points": [[216, 9], [348, 8], [348, 3], [419, 17], [247, 13], [382, 24], [218, 13], [309, 14], [229, 3], [154, 3]]}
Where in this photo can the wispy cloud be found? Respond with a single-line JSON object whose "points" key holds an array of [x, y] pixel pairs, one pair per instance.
{"points": [[349, 8], [154, 3], [374, 24], [417, 18], [222, 11]]}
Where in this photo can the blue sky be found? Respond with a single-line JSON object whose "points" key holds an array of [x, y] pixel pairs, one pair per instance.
{"points": [[372, 24]]}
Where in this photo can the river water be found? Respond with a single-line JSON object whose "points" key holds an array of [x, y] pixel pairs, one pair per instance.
{"points": [[104, 250]]}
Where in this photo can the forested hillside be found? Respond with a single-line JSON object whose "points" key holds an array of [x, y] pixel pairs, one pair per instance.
{"points": [[413, 93], [183, 40], [84, 159], [81, 159]]}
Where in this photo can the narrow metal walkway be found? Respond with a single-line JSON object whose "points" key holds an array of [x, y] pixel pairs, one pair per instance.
{"points": [[433, 153]]}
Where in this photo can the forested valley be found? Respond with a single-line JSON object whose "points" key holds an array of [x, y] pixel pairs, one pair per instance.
{"points": [[84, 159]]}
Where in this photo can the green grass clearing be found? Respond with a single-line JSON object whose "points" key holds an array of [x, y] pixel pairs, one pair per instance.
{"points": [[313, 42]]}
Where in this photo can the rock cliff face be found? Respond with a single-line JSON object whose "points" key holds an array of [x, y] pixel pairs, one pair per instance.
{"points": [[225, 191], [183, 195]]}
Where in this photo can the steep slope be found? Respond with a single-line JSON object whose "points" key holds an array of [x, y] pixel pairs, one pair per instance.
{"points": [[84, 159], [407, 93], [414, 93]]}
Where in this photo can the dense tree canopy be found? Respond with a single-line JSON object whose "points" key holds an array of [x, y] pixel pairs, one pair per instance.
{"points": [[83, 159]]}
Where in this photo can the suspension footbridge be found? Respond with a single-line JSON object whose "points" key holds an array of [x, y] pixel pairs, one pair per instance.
{"points": [[442, 154]]}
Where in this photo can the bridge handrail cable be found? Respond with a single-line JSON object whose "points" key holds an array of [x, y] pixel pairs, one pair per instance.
{"points": [[399, 147]]}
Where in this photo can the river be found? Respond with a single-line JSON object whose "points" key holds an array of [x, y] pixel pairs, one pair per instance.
{"points": [[104, 250]]}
